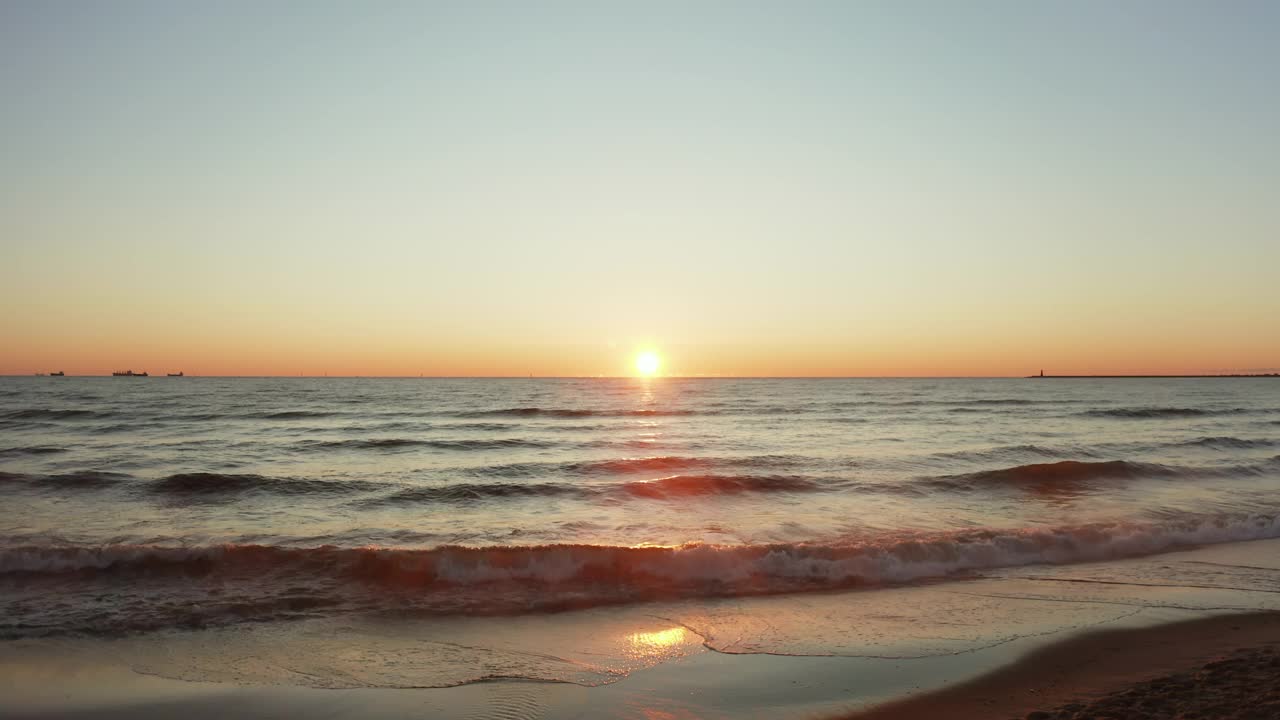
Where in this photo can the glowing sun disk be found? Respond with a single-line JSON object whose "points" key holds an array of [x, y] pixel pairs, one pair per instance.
{"points": [[648, 362]]}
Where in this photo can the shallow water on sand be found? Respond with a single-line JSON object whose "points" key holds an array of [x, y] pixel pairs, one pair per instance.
{"points": [[137, 505], [789, 656]]}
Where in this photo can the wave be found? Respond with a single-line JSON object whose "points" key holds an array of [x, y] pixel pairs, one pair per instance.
{"points": [[1007, 451], [199, 417], [622, 466], [292, 415], [31, 450], [495, 444], [625, 466], [572, 413], [216, 487], [472, 492], [1138, 413], [258, 415], [674, 486], [521, 579], [678, 486], [125, 427], [366, 444], [84, 479], [1065, 473], [54, 414], [1229, 443], [401, 443], [945, 403], [765, 410], [642, 444], [219, 484], [495, 427], [1265, 467], [676, 463], [1006, 401]]}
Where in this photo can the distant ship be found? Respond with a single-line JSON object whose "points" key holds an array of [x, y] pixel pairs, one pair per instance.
{"points": [[177, 374], [57, 374], [128, 373]]}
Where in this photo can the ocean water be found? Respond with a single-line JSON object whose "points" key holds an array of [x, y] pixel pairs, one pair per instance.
{"points": [[133, 505]]}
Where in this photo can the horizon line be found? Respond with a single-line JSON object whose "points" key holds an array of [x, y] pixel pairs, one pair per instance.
{"points": [[683, 377], [554, 377]]}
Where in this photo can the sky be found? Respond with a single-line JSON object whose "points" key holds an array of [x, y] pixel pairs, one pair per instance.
{"points": [[549, 188]]}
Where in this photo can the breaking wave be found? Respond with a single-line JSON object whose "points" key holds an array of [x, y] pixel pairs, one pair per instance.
{"points": [[517, 579]]}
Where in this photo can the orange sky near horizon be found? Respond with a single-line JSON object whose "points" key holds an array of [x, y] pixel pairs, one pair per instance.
{"points": [[919, 357], [1012, 329]]}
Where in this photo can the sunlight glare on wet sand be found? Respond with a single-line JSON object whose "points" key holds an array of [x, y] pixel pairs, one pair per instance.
{"points": [[658, 644]]}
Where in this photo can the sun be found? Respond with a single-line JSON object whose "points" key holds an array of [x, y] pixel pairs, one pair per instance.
{"points": [[648, 362]]}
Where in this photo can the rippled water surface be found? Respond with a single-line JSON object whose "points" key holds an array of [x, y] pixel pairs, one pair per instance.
{"points": [[144, 503]]}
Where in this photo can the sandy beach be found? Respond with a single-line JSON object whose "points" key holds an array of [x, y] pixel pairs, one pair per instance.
{"points": [[1072, 641], [1219, 667], [1216, 667]]}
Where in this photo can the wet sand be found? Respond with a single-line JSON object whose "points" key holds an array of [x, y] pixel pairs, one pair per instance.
{"points": [[1190, 669], [1218, 667], [1014, 642]]}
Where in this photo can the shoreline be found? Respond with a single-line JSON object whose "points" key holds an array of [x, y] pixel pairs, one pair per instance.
{"points": [[1021, 641], [1131, 667], [1106, 667]]}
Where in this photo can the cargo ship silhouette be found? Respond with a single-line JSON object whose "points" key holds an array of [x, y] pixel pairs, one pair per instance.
{"points": [[128, 373]]}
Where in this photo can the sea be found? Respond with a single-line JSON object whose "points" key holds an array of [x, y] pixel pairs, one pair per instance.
{"points": [[132, 505]]}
